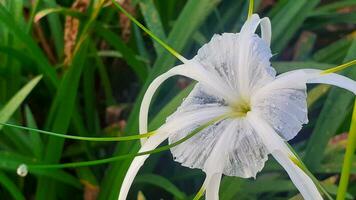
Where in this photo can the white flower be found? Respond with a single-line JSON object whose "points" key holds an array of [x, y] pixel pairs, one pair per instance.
{"points": [[235, 75]]}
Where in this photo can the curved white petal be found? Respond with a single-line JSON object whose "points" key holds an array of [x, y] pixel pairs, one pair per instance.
{"points": [[138, 161], [335, 79], [192, 70], [282, 154], [249, 52], [282, 102], [212, 187], [303, 182], [250, 25], [298, 78], [266, 30], [201, 116]]}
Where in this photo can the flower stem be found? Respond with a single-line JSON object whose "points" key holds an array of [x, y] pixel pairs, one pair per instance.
{"points": [[73, 137], [116, 158], [150, 33], [200, 193], [349, 155], [250, 9], [340, 67]]}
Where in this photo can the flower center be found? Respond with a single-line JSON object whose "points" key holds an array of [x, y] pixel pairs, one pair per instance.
{"points": [[241, 108]]}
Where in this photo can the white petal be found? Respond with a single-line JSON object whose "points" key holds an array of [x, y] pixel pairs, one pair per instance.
{"points": [[266, 30], [335, 79], [200, 116], [282, 154], [212, 188], [303, 182], [138, 161], [192, 70], [298, 78], [234, 140], [282, 102], [242, 59], [250, 25], [284, 109]]}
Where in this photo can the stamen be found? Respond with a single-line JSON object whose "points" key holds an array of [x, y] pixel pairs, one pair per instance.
{"points": [[116, 158], [241, 108], [338, 68], [73, 137], [165, 45], [250, 9]]}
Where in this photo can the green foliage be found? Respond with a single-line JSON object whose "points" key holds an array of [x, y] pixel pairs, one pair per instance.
{"points": [[99, 91]]}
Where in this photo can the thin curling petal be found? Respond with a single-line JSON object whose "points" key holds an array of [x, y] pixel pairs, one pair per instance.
{"points": [[266, 30], [212, 187], [337, 80], [303, 182], [298, 78], [192, 70], [136, 164], [282, 153], [282, 103], [202, 116]]}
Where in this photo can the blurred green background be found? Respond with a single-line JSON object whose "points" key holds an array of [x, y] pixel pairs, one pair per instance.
{"points": [[96, 66]]}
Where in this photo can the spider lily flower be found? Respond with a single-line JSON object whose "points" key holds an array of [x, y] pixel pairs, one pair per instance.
{"points": [[234, 76]]}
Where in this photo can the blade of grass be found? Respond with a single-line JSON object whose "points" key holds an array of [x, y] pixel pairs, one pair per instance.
{"points": [[7, 183], [128, 54], [331, 117], [194, 12], [104, 78], [56, 29], [9, 161], [349, 156], [13, 104], [153, 22], [35, 52], [34, 8], [36, 141], [63, 106], [161, 182], [288, 19]]}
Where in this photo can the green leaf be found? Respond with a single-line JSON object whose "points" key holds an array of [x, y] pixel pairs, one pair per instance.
{"points": [[128, 54], [288, 19], [35, 52], [194, 12], [331, 117], [153, 22], [60, 116], [161, 182], [10, 161], [12, 105], [7, 183], [35, 138]]}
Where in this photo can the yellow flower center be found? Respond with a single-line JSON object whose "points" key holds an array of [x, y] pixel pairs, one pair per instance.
{"points": [[241, 108]]}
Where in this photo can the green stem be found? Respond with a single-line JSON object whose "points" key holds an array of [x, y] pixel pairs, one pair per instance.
{"points": [[73, 137], [113, 159], [349, 155], [250, 9], [32, 15], [340, 67], [200, 193]]}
